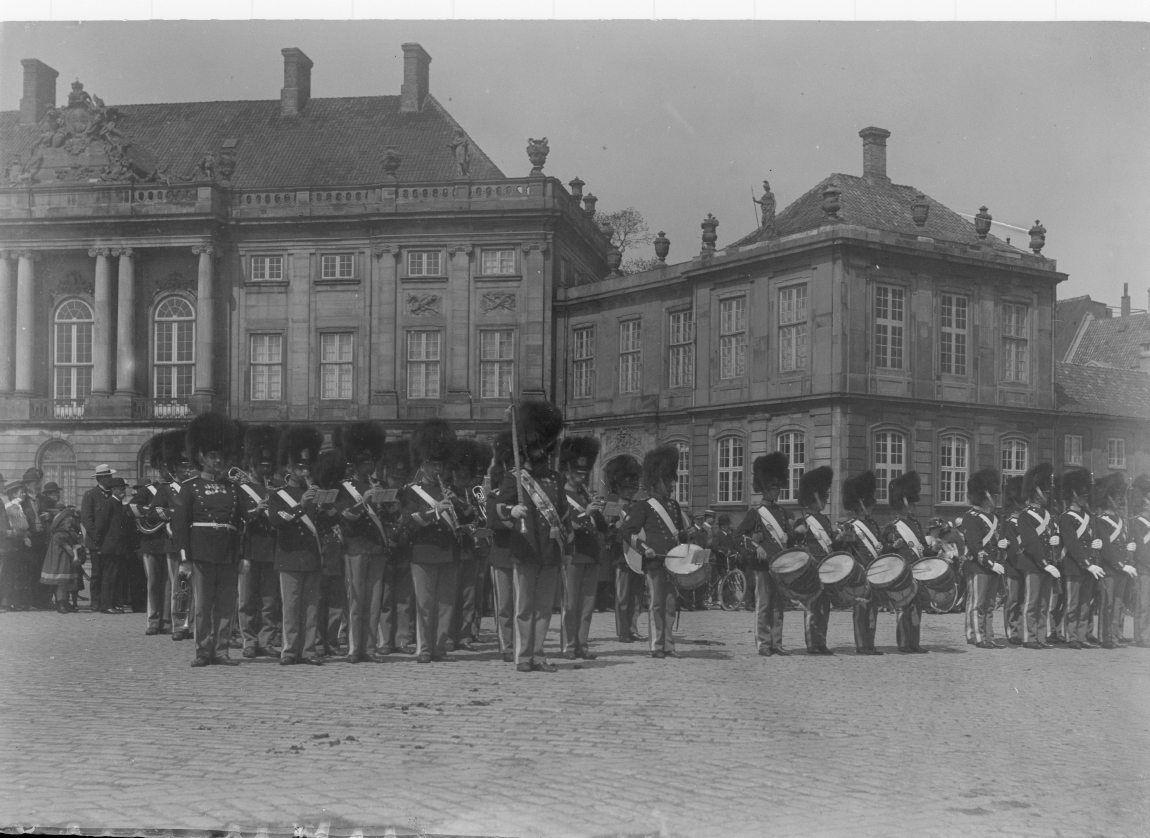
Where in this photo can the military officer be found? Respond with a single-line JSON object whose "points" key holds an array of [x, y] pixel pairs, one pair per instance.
{"points": [[769, 526], [259, 583], [577, 455], [984, 545], [814, 532], [863, 537]]}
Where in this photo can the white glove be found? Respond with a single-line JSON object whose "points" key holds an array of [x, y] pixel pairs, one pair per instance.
{"points": [[1053, 571], [1096, 544], [997, 568], [1055, 540], [1131, 547], [1129, 570], [1003, 544], [519, 511], [1095, 571]]}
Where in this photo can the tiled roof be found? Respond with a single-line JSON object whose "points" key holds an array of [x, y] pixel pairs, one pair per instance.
{"points": [[1102, 390], [335, 141], [1113, 341], [878, 206]]}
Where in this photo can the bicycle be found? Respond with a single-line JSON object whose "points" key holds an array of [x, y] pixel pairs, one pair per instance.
{"points": [[727, 585]]}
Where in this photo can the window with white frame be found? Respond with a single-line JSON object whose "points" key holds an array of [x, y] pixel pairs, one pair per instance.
{"points": [[174, 351], [425, 263], [1015, 458], [681, 349], [58, 462], [953, 468], [266, 367], [583, 362], [267, 268], [793, 335], [888, 460], [1015, 342], [72, 362], [337, 266], [794, 445], [630, 356], [889, 319], [496, 363], [423, 364], [682, 488], [1072, 449], [953, 326], [497, 261], [733, 337], [336, 369], [1116, 453], [731, 469]]}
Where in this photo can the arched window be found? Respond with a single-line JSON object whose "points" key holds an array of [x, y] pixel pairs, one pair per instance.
{"points": [[1015, 458], [953, 468], [682, 490], [58, 462], [174, 355], [72, 369], [794, 445], [732, 468], [888, 458]]}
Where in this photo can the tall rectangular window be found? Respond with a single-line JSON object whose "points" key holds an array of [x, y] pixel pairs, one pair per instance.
{"points": [[681, 349], [423, 364], [335, 365], [425, 263], [497, 262], [1015, 457], [953, 323], [496, 363], [682, 490], [731, 469], [1015, 343], [1072, 450], [583, 362], [889, 318], [337, 266], [174, 353], [793, 328], [1116, 453], [266, 368], [953, 468], [794, 445], [267, 268], [733, 337], [889, 461], [630, 356]]}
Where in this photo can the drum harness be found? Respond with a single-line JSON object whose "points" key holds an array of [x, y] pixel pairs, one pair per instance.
{"points": [[292, 504], [907, 535], [867, 538], [661, 511], [820, 534], [771, 524], [371, 513]]}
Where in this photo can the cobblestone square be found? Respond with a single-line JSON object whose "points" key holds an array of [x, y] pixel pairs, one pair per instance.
{"points": [[103, 728]]}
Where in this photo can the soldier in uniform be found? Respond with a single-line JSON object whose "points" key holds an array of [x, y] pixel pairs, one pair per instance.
{"points": [[1014, 578], [621, 477], [1038, 541], [654, 526], [152, 508], [904, 535], [533, 500], [259, 582], [205, 529], [173, 444], [769, 526], [397, 611], [1139, 510], [433, 521], [1117, 557], [577, 455], [501, 557], [469, 461], [863, 537], [983, 565], [1081, 546], [328, 473], [814, 532]]}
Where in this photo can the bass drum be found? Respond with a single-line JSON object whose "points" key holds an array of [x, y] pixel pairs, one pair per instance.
{"points": [[842, 575], [938, 585], [798, 575], [689, 565], [890, 576]]}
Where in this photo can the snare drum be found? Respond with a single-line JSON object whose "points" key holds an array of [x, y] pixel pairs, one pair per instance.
{"points": [[842, 575], [939, 589], [797, 574], [689, 565], [891, 576]]}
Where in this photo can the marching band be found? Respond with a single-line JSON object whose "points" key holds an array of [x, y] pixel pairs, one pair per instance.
{"points": [[303, 545]]}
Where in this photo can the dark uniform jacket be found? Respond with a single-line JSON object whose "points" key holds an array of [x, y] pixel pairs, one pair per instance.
{"points": [[590, 528], [206, 521], [1036, 527], [753, 523], [360, 534], [1112, 530], [1010, 532], [645, 527], [865, 542], [432, 539], [96, 510], [980, 533], [153, 505], [810, 542], [893, 534], [1079, 553], [533, 543], [258, 544], [297, 547], [1140, 530]]}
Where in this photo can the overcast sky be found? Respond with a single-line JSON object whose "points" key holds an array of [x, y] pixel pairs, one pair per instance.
{"points": [[1042, 121]]}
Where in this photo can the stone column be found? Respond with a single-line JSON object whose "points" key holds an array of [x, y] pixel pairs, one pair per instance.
{"points": [[460, 351], [102, 327], [7, 322], [205, 319], [125, 325], [387, 338], [25, 320]]}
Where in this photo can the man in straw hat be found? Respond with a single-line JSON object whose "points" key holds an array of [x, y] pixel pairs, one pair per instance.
{"points": [[981, 532], [96, 511], [1117, 557], [769, 526]]}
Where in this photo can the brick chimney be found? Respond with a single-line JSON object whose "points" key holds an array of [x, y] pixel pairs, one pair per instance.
{"points": [[416, 62], [297, 81], [874, 153], [39, 90], [1125, 299]]}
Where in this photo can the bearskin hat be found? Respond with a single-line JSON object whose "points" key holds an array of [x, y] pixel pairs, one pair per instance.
{"points": [[661, 463], [540, 424], [858, 491], [470, 456], [504, 449], [214, 432], [1041, 477], [983, 483], [620, 470], [1076, 481], [432, 441], [396, 458], [905, 488], [1140, 487], [300, 444], [360, 440], [157, 458], [771, 471], [1112, 486], [578, 452], [261, 444], [815, 482], [1012, 494], [329, 469]]}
